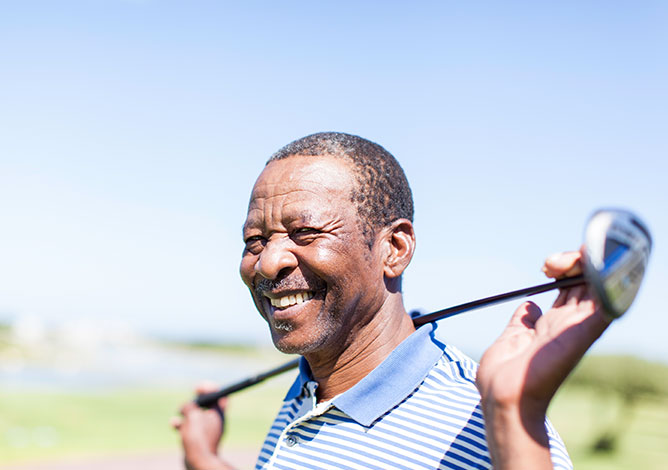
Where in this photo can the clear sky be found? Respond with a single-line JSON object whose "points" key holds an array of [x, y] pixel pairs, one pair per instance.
{"points": [[131, 133]]}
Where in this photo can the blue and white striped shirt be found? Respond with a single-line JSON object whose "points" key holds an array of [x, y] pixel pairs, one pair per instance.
{"points": [[419, 409]]}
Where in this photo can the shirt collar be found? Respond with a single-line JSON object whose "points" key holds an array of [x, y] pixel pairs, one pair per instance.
{"points": [[389, 383], [301, 380]]}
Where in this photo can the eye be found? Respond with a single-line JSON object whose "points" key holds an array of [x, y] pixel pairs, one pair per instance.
{"points": [[304, 235], [255, 244]]}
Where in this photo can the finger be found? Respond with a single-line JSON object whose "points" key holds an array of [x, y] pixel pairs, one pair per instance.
{"points": [[219, 408], [575, 294], [222, 403], [590, 304], [525, 316], [561, 298], [221, 413], [176, 422], [564, 264], [188, 407]]}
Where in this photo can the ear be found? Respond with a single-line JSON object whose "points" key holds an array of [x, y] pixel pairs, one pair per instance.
{"points": [[399, 242]]}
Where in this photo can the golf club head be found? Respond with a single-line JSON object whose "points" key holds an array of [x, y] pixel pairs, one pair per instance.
{"points": [[617, 248]]}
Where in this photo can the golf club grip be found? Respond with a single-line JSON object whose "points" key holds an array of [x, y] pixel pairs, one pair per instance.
{"points": [[207, 400]]}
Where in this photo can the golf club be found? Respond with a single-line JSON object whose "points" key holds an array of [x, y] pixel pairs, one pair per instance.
{"points": [[616, 251]]}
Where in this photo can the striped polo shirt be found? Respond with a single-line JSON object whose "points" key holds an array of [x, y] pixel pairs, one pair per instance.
{"points": [[419, 409]]}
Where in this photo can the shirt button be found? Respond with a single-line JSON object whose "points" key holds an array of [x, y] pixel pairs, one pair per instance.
{"points": [[291, 441]]}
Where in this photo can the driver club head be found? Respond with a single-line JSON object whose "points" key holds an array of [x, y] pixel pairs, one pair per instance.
{"points": [[617, 249]]}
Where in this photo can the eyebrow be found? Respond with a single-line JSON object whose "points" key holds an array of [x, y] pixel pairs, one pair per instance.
{"points": [[305, 217]]}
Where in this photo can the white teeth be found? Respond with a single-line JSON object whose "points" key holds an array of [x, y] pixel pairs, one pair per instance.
{"points": [[290, 300]]}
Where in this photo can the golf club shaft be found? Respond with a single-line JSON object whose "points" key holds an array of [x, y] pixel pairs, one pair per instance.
{"points": [[208, 400], [497, 299]]}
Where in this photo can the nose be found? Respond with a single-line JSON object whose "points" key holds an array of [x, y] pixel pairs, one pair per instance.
{"points": [[275, 258]]}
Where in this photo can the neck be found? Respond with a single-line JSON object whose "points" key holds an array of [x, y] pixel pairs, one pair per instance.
{"points": [[366, 347]]}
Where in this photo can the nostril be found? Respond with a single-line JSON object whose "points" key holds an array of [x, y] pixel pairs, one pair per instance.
{"points": [[283, 273]]}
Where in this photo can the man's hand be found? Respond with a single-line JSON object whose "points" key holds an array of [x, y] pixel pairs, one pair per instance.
{"points": [[520, 373], [201, 431]]}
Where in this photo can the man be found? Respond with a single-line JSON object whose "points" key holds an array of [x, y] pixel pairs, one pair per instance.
{"points": [[328, 236]]}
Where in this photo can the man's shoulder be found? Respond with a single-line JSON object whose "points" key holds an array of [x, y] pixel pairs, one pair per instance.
{"points": [[453, 365]]}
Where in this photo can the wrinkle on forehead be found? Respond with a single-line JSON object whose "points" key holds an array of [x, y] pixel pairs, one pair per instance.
{"points": [[289, 198], [314, 211], [302, 180], [255, 198], [321, 172]]}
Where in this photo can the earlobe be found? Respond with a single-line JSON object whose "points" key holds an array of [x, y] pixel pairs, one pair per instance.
{"points": [[400, 243]]}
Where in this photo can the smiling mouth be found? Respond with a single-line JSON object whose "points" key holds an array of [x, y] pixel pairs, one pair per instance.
{"points": [[291, 299]]}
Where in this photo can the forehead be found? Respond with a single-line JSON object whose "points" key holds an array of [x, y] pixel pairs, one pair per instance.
{"points": [[304, 182]]}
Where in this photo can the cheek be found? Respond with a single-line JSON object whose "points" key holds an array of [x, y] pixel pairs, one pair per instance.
{"points": [[247, 268], [347, 266], [325, 259], [332, 265]]}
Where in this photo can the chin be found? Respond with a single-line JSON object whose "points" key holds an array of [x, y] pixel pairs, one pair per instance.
{"points": [[293, 343]]}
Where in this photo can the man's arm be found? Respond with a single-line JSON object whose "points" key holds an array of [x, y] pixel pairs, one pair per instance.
{"points": [[201, 431], [520, 373]]}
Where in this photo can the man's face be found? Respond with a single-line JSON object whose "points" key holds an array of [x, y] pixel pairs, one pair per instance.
{"points": [[306, 263]]}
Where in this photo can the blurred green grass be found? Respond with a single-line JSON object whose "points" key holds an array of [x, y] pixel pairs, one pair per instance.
{"points": [[48, 426], [580, 415], [623, 396]]}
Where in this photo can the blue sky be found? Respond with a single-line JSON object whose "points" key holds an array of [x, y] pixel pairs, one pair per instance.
{"points": [[131, 133]]}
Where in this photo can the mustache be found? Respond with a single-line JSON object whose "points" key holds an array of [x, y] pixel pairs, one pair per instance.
{"points": [[287, 283]]}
